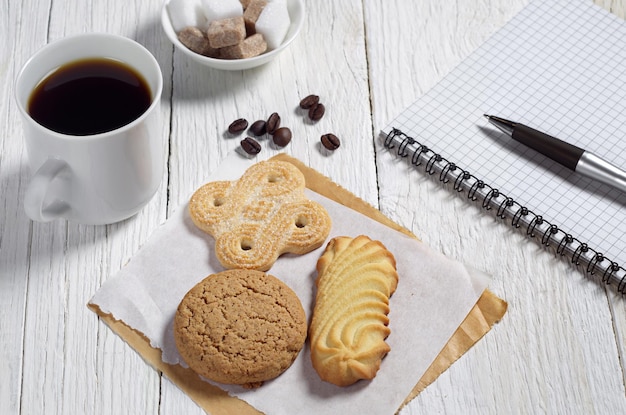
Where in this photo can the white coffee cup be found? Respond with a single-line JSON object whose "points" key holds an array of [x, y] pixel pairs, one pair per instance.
{"points": [[93, 179]]}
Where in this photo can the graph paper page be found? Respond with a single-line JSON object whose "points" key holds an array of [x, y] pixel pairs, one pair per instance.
{"points": [[558, 67]]}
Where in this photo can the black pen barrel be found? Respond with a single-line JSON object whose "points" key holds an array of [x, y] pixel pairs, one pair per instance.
{"points": [[558, 150]]}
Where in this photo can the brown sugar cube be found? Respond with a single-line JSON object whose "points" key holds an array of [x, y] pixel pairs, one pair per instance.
{"points": [[245, 3], [197, 41], [249, 47], [212, 53], [226, 32], [250, 16]]}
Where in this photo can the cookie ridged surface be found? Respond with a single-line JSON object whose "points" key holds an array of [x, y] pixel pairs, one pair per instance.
{"points": [[259, 217], [356, 277], [240, 327]]}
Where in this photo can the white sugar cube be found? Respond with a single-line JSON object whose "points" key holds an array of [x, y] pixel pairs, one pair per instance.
{"points": [[184, 13], [273, 23], [221, 9]]}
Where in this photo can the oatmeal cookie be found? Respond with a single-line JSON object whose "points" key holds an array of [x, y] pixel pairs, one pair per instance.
{"points": [[240, 327]]}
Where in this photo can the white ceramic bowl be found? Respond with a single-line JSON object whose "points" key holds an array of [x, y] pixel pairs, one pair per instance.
{"points": [[296, 15]]}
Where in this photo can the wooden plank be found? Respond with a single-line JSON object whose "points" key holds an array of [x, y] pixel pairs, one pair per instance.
{"points": [[205, 101], [72, 364], [15, 231], [545, 355]]}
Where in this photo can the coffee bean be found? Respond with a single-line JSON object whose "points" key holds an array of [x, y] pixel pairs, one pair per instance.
{"points": [[316, 112], [273, 122], [250, 145], [330, 141], [309, 101], [258, 128], [238, 126], [282, 136]]}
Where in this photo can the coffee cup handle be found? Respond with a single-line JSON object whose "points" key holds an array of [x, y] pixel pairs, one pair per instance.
{"points": [[37, 192]]}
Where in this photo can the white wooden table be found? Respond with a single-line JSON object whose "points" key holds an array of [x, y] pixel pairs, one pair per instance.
{"points": [[561, 348]]}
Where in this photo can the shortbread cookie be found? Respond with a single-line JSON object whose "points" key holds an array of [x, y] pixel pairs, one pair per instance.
{"points": [[355, 279], [259, 217], [240, 327]]}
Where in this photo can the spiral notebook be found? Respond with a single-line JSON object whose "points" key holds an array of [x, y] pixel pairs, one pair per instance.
{"points": [[559, 67]]}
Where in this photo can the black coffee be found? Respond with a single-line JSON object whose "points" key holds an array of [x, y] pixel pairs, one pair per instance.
{"points": [[89, 96]]}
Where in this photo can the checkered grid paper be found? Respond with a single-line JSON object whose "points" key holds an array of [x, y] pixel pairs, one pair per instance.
{"points": [[558, 67]]}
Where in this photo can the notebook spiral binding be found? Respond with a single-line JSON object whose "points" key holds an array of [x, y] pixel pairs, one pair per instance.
{"points": [[536, 227]]}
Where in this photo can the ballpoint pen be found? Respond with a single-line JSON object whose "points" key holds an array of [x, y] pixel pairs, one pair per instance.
{"points": [[573, 157]]}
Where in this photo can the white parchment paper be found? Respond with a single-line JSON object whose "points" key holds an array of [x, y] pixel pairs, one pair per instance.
{"points": [[433, 297]]}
